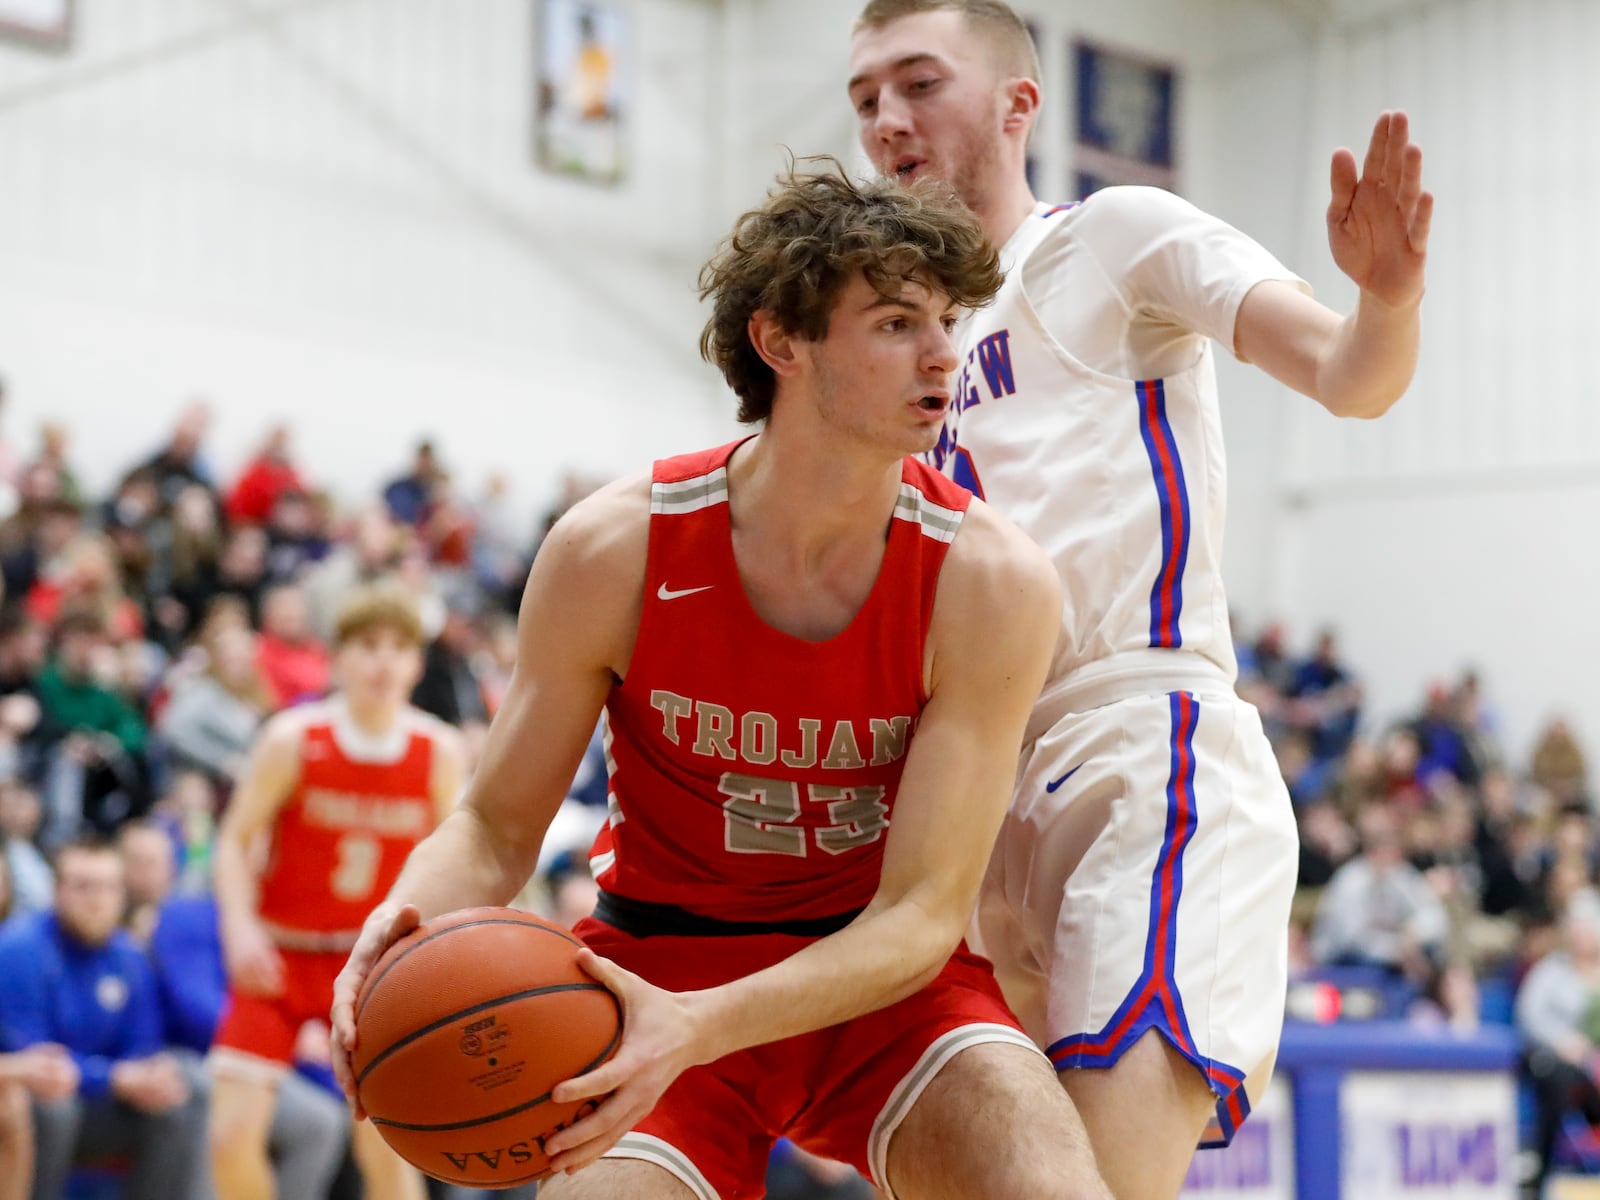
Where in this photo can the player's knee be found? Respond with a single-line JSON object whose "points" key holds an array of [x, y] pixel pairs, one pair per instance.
{"points": [[1049, 1177], [610, 1178], [374, 1157], [16, 1121], [235, 1130]]}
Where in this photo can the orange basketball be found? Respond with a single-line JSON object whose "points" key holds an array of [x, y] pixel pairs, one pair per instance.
{"points": [[463, 1028]]}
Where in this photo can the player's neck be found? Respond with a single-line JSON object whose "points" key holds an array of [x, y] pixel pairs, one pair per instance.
{"points": [[375, 717], [1003, 213], [808, 493]]}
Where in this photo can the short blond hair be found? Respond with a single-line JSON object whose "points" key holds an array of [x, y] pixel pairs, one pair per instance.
{"points": [[1007, 32], [378, 607]]}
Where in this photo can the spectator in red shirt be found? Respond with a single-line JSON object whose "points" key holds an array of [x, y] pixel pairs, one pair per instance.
{"points": [[292, 661], [85, 576], [266, 477]]}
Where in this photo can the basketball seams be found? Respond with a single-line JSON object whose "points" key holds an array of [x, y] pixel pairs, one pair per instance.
{"points": [[410, 1127], [372, 983], [473, 1010]]}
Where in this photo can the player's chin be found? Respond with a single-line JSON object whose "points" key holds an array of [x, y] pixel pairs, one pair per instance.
{"points": [[922, 439]]}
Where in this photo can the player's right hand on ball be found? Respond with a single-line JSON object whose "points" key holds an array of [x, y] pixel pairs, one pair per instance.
{"points": [[386, 926], [254, 964]]}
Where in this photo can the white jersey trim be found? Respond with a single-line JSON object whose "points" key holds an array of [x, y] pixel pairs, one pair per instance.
{"points": [[909, 1090], [937, 521], [689, 495], [668, 1157]]}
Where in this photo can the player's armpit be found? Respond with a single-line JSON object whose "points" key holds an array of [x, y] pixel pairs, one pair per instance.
{"points": [[995, 625]]}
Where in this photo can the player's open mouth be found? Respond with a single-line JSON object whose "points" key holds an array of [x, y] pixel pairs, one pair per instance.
{"points": [[905, 168], [936, 402]]}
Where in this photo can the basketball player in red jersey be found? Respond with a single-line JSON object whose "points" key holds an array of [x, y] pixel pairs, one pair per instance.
{"points": [[816, 657], [344, 790]]}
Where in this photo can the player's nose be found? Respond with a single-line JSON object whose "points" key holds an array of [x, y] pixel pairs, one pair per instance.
{"points": [[941, 356], [891, 117]]}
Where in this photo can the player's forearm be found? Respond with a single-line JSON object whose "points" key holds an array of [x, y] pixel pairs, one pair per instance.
{"points": [[883, 956], [1369, 363], [462, 864], [234, 882]]}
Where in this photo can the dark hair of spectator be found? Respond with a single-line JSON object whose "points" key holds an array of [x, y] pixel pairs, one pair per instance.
{"points": [[85, 843], [80, 621]]}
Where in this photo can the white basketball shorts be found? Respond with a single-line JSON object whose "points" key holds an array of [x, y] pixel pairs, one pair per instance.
{"points": [[1142, 880]]}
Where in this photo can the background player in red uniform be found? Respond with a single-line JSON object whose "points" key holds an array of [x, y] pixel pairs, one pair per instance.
{"points": [[816, 660], [344, 789]]}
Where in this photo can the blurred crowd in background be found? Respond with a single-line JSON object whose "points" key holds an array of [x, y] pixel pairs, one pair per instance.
{"points": [[145, 634]]}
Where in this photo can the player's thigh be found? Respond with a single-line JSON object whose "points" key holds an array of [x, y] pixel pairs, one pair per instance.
{"points": [[993, 1122], [1154, 1089], [614, 1177]]}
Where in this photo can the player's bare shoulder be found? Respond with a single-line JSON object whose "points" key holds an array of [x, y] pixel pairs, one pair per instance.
{"points": [[604, 537], [282, 735], [586, 588], [996, 583]]}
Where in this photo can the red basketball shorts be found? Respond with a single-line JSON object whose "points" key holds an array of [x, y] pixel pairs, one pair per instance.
{"points": [[257, 1033], [840, 1092]]}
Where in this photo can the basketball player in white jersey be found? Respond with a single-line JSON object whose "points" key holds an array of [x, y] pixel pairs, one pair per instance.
{"points": [[1137, 903]]}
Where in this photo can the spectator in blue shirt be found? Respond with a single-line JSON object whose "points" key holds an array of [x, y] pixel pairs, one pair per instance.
{"points": [[310, 1127], [74, 979]]}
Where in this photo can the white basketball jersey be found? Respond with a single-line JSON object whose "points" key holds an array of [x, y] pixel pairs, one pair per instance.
{"points": [[1118, 474]]}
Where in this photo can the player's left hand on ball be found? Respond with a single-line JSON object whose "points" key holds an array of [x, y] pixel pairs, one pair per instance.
{"points": [[386, 925], [659, 1041]]}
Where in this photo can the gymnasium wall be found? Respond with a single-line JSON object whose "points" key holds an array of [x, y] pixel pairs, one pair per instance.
{"points": [[1460, 527], [327, 212]]}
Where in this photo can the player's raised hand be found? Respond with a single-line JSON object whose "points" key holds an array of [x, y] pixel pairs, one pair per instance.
{"points": [[1378, 223], [658, 1044], [386, 925]]}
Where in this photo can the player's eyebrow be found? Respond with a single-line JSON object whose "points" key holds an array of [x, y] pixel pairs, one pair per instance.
{"points": [[890, 302], [900, 64]]}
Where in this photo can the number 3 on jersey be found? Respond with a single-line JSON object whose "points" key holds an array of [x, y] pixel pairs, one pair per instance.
{"points": [[353, 874], [758, 814]]}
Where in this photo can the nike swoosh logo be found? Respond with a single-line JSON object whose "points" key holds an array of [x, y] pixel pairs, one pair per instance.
{"points": [[666, 593], [1055, 783]]}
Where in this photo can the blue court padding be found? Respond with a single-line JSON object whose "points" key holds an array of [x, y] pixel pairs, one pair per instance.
{"points": [[1315, 1059]]}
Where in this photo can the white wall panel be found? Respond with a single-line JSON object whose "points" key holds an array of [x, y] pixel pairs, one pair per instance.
{"points": [[1456, 528], [327, 206]]}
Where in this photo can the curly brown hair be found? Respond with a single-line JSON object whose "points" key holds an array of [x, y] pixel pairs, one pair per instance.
{"points": [[792, 256], [1006, 30]]}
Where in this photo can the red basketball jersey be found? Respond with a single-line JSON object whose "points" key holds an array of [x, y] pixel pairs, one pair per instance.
{"points": [[753, 773], [360, 805]]}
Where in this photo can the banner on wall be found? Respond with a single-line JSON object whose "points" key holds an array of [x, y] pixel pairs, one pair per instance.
{"points": [[1258, 1164], [1414, 1135], [1124, 119], [46, 23], [582, 105]]}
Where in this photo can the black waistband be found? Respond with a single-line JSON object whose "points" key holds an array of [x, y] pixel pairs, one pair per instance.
{"points": [[642, 918]]}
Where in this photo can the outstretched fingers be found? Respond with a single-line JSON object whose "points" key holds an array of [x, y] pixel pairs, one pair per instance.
{"points": [[1377, 149], [1420, 223], [1342, 185], [1394, 155]]}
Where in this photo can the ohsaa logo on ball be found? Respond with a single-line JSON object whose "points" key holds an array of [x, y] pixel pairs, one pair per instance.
{"points": [[473, 1039]]}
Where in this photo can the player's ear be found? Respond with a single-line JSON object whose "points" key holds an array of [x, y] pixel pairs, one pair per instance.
{"points": [[778, 348], [1022, 103]]}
